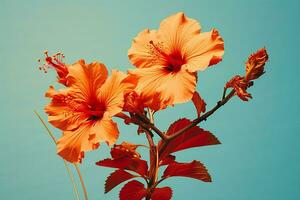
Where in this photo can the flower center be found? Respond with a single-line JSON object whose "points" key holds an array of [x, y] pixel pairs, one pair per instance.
{"points": [[96, 111], [174, 61]]}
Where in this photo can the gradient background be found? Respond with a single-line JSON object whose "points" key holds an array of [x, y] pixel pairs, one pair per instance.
{"points": [[259, 157]]}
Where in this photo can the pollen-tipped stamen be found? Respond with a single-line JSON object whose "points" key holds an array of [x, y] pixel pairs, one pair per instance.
{"points": [[174, 60], [54, 62], [158, 49]]}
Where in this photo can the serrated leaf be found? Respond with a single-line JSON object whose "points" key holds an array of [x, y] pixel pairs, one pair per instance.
{"points": [[115, 178], [134, 164], [199, 103], [195, 170], [194, 137], [164, 193], [133, 190], [167, 160]]}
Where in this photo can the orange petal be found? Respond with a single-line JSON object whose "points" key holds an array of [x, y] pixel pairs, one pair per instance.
{"points": [[72, 145], [204, 50], [159, 88], [177, 30], [106, 130], [61, 112], [141, 53], [87, 78], [112, 91], [51, 92]]}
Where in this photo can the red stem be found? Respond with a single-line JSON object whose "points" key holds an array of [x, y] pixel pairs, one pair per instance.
{"points": [[152, 126], [153, 171]]}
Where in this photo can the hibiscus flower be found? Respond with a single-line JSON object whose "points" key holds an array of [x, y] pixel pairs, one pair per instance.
{"points": [[168, 59], [84, 109]]}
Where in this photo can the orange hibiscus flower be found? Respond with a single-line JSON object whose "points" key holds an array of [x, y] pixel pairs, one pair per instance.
{"points": [[84, 109], [169, 57]]}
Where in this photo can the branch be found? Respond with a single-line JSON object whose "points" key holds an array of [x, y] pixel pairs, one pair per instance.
{"points": [[151, 113], [153, 171], [153, 157], [152, 126], [159, 132], [146, 123], [224, 93], [197, 120]]}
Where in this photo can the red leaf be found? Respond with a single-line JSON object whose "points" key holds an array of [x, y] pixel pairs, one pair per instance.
{"points": [[133, 190], [134, 164], [164, 193], [167, 160], [195, 170], [115, 178], [194, 137], [199, 103]]}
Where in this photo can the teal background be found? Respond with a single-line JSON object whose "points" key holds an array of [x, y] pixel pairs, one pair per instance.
{"points": [[259, 156]]}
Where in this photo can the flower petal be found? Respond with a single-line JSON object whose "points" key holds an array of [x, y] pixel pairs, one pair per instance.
{"points": [[63, 111], [112, 91], [106, 130], [141, 53], [177, 30], [72, 145], [87, 78], [159, 88], [204, 50]]}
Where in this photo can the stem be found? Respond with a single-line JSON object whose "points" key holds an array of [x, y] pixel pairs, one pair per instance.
{"points": [[154, 150], [148, 122], [153, 171], [224, 93], [72, 179], [152, 126], [81, 181], [158, 182], [151, 116], [45, 125], [197, 120], [159, 133], [66, 164]]}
